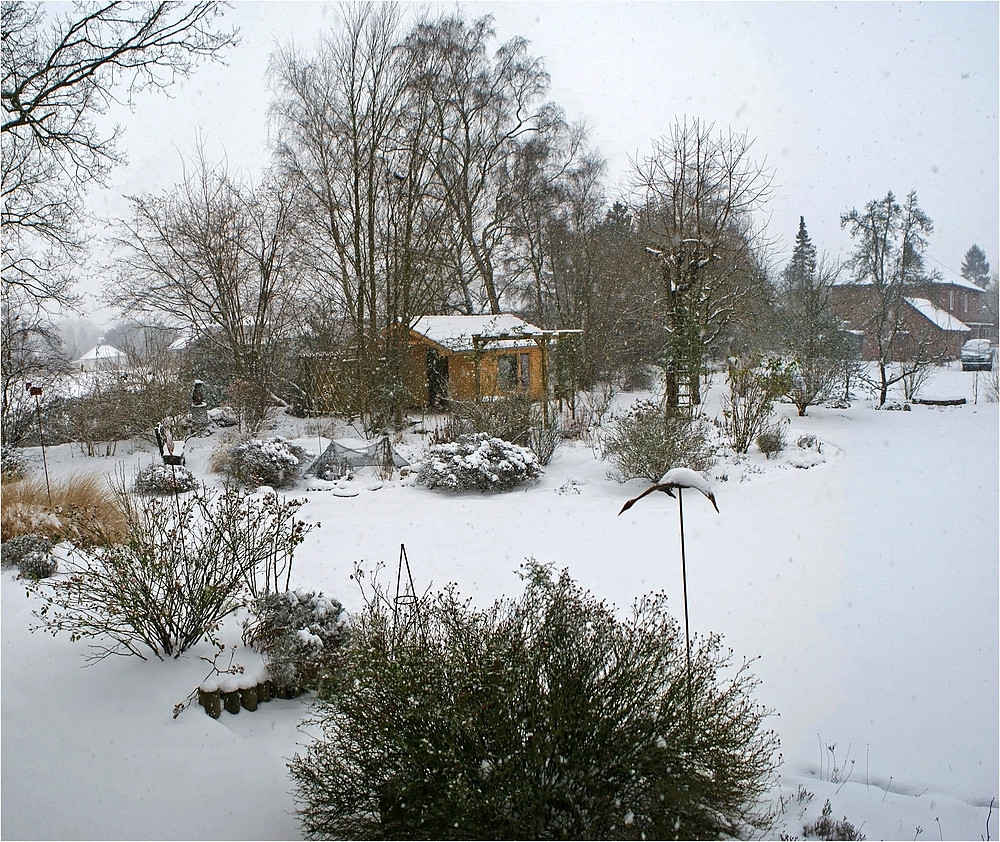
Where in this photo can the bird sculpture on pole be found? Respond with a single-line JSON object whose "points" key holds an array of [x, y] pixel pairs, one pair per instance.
{"points": [[678, 479]]}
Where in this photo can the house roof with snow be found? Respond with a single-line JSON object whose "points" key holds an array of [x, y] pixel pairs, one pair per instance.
{"points": [[455, 333], [101, 351], [938, 317], [951, 280]]}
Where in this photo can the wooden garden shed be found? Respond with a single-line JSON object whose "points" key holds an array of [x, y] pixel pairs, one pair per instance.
{"points": [[471, 357]]}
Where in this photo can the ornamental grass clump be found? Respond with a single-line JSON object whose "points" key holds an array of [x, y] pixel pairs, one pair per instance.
{"points": [[540, 717], [67, 509], [477, 460]]}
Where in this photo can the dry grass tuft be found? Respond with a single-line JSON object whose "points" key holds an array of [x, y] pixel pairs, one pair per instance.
{"points": [[82, 507]]}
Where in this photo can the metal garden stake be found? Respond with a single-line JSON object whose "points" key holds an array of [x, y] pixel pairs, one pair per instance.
{"points": [[681, 478]]}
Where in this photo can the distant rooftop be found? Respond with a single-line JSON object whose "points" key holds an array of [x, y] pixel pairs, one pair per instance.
{"points": [[942, 318], [951, 280]]}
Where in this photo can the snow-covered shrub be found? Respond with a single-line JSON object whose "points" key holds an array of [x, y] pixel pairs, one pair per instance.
{"points": [[299, 634], [13, 463], [478, 461], [826, 828], [507, 417], [755, 383], [185, 564], [164, 479], [514, 418], [31, 555], [771, 440], [542, 717], [274, 462], [646, 442], [545, 433]]}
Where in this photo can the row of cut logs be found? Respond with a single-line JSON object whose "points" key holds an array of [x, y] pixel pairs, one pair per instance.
{"points": [[236, 692]]}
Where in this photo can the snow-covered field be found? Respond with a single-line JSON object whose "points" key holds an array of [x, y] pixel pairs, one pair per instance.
{"points": [[866, 583]]}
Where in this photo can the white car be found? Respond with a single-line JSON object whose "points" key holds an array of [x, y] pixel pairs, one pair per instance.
{"points": [[977, 355]]}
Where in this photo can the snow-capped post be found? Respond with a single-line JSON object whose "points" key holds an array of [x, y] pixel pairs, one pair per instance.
{"points": [[681, 478]]}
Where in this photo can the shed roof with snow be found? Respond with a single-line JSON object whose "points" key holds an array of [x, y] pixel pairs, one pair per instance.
{"points": [[455, 333]]}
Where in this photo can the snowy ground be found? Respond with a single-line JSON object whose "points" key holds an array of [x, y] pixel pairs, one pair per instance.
{"points": [[866, 583]]}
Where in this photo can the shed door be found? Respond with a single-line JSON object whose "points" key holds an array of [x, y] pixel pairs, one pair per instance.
{"points": [[437, 378]]}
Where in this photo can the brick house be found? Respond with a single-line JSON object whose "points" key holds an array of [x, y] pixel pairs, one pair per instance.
{"points": [[935, 317]]}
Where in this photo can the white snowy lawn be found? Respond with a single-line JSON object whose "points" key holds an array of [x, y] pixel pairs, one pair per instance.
{"points": [[867, 585]]}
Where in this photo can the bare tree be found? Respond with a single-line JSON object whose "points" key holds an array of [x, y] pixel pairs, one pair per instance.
{"points": [[483, 106], [59, 74], [354, 138], [219, 258], [31, 353], [696, 198], [888, 261], [556, 193]]}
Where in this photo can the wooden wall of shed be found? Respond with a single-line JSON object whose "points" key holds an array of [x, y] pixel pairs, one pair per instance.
{"points": [[462, 370], [489, 369]]}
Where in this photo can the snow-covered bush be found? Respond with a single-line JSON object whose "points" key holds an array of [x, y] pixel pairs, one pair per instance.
{"points": [[478, 461], [184, 565], [647, 442], [164, 479], [299, 634], [31, 554], [545, 433], [274, 462], [755, 383], [771, 440], [541, 717], [13, 463], [507, 417], [514, 418]]}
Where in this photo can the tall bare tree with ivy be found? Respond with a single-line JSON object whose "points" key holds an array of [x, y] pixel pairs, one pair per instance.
{"points": [[696, 198]]}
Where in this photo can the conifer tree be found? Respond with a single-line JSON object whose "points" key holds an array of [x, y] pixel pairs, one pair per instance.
{"points": [[811, 331], [975, 267]]}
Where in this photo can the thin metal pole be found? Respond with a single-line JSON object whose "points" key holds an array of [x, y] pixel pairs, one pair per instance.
{"points": [[41, 440], [687, 629]]}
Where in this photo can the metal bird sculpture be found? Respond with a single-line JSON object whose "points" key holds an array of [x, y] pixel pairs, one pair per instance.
{"points": [[676, 478]]}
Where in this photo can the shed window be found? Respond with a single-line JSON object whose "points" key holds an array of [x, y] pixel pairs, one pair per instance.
{"points": [[513, 372]]}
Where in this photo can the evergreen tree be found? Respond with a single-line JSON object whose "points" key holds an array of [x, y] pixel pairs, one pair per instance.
{"points": [[975, 268], [811, 331], [802, 266]]}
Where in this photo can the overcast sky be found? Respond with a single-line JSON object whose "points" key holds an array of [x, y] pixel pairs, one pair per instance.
{"points": [[844, 101]]}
